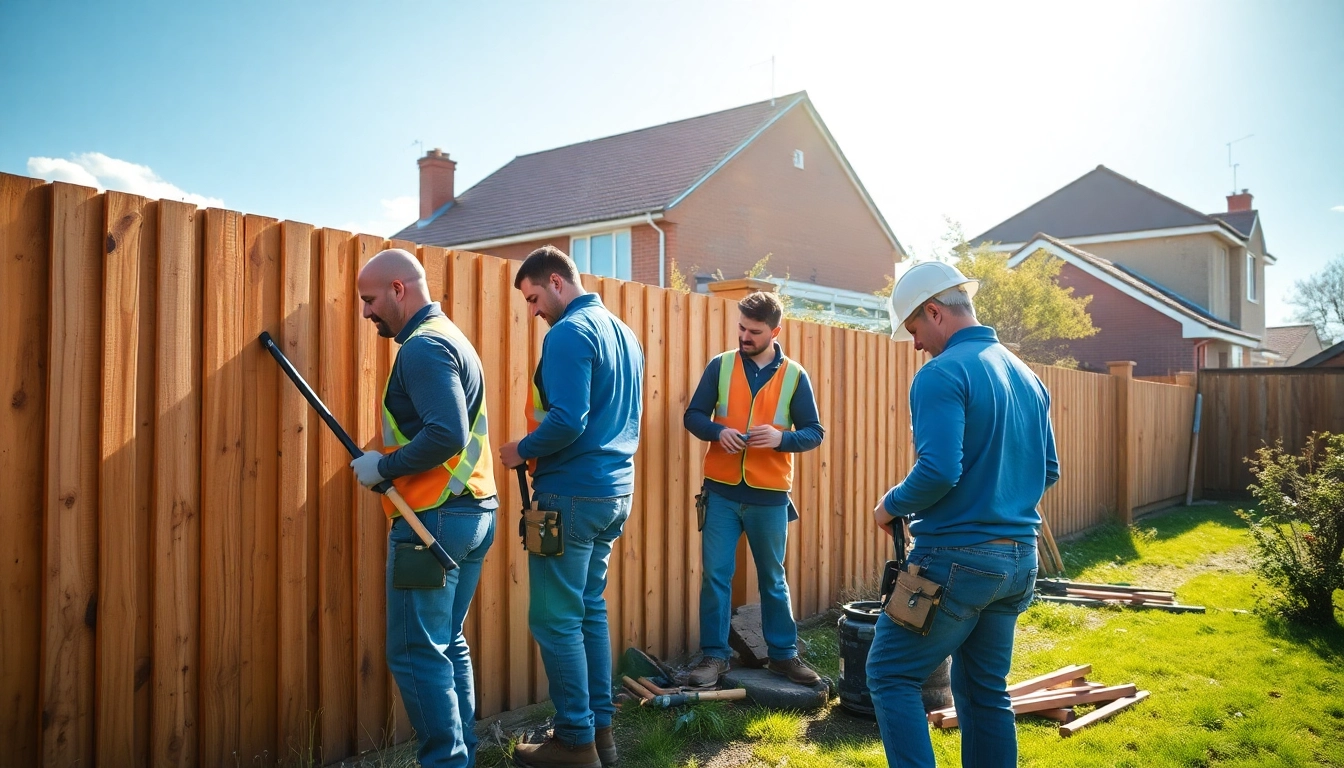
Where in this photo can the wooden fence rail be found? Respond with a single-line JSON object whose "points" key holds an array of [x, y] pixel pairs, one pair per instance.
{"points": [[192, 576]]}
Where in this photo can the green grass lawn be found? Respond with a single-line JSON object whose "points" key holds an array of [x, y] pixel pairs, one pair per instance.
{"points": [[1229, 688]]}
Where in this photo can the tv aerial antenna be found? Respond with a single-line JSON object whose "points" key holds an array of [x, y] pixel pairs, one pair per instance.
{"points": [[1233, 165]]}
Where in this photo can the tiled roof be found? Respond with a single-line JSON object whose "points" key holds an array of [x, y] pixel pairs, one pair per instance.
{"points": [[625, 175], [1116, 273], [1100, 202], [1242, 221], [1322, 357], [1287, 338]]}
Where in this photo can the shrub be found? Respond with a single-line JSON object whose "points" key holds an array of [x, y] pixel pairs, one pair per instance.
{"points": [[1298, 528]]}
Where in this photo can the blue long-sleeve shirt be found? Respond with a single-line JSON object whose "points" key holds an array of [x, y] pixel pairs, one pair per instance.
{"points": [[985, 447], [807, 430], [435, 386], [591, 380]]}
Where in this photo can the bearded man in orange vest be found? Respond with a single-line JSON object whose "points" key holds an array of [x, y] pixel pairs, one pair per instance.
{"points": [[436, 451], [755, 408]]}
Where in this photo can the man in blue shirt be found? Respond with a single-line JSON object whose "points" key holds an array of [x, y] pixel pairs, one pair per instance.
{"points": [[587, 400], [755, 408], [986, 454]]}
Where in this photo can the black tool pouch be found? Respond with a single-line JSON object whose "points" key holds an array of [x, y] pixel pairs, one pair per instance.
{"points": [[415, 567], [701, 507]]}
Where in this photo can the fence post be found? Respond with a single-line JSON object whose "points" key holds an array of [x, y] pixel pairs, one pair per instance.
{"points": [[1126, 453]]}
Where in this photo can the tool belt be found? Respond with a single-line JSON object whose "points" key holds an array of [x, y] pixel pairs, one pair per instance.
{"points": [[908, 598], [701, 507], [539, 529]]}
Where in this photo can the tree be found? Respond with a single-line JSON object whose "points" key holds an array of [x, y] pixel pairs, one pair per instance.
{"points": [[1320, 300]]}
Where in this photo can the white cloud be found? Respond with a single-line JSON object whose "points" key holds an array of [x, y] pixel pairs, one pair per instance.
{"points": [[94, 169], [1338, 209], [396, 214]]}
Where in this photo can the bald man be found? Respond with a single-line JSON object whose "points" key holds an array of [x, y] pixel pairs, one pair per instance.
{"points": [[436, 451]]}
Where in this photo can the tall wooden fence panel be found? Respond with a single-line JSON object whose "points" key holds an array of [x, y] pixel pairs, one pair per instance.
{"points": [[1163, 418], [1244, 409], [192, 575]]}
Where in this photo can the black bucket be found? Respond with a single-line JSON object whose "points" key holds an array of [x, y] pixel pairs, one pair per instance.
{"points": [[856, 628]]}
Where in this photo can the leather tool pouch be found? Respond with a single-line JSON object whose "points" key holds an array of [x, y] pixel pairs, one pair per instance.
{"points": [[541, 532], [701, 507], [415, 567], [913, 600]]}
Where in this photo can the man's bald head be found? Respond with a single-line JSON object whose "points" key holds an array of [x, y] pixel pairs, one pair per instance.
{"points": [[393, 288]]}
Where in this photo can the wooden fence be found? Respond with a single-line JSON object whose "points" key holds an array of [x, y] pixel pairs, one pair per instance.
{"points": [[193, 577], [1245, 408]]}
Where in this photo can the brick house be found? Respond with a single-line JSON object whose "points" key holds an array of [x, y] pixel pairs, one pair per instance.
{"points": [[1173, 289], [715, 192]]}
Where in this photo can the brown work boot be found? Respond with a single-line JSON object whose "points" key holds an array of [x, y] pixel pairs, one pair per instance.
{"points": [[795, 670], [707, 672], [606, 747], [553, 753]]}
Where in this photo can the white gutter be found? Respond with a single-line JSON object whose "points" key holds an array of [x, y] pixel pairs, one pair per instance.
{"points": [[574, 229], [662, 251]]}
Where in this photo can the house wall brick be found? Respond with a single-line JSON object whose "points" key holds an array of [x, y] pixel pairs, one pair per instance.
{"points": [[1127, 330], [813, 221]]}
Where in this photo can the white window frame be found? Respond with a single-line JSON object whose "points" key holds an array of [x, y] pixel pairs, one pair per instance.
{"points": [[1250, 278], [616, 257], [798, 159], [1235, 359]]}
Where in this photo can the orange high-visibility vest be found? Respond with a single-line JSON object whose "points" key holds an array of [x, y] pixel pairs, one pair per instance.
{"points": [[535, 413], [763, 468], [472, 470]]}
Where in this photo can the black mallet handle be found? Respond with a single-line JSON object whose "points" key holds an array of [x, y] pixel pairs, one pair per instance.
{"points": [[386, 488]]}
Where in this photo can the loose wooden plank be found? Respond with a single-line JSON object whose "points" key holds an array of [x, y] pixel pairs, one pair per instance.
{"points": [[1101, 713], [373, 705], [25, 239], [70, 518], [1063, 674], [177, 729], [222, 498], [120, 496], [338, 312], [298, 340]]}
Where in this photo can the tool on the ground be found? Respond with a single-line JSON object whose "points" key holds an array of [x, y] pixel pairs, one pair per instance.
{"points": [[643, 693], [690, 697], [538, 528], [386, 488], [656, 689], [1194, 451]]}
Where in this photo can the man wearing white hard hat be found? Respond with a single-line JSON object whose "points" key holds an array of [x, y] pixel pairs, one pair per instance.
{"points": [[985, 455]]}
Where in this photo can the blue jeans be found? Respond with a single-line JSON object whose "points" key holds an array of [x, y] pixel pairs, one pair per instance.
{"points": [[767, 530], [426, 651], [567, 612], [985, 587]]}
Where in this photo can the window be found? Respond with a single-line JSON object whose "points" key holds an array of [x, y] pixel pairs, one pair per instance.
{"points": [[1250, 276], [606, 254], [798, 159], [1236, 357]]}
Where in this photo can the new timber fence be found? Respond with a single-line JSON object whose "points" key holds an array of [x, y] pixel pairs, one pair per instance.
{"points": [[191, 574]]}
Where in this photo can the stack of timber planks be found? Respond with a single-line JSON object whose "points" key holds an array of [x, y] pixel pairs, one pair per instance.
{"points": [[1096, 595], [1053, 696]]}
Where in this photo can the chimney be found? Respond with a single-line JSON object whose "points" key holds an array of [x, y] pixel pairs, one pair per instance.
{"points": [[1239, 202], [436, 181]]}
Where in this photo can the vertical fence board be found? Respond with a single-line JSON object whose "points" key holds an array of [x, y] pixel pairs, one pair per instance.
{"points": [[658, 503], [25, 237], [338, 313], [175, 673], [681, 504], [297, 340], [70, 529], [630, 309], [492, 596], [518, 383], [120, 495], [697, 328]]}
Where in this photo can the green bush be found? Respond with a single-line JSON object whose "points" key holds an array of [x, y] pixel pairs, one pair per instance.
{"points": [[1298, 527]]}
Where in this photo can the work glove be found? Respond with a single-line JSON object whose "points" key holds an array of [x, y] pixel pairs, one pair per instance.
{"points": [[366, 469]]}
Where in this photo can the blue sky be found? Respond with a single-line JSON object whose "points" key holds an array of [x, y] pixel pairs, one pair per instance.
{"points": [[311, 111]]}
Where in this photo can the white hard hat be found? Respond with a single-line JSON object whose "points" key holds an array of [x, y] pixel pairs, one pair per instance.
{"points": [[920, 283]]}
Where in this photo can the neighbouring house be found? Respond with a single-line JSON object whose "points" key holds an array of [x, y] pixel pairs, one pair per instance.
{"points": [[1330, 357], [1291, 344], [714, 193], [1173, 289]]}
